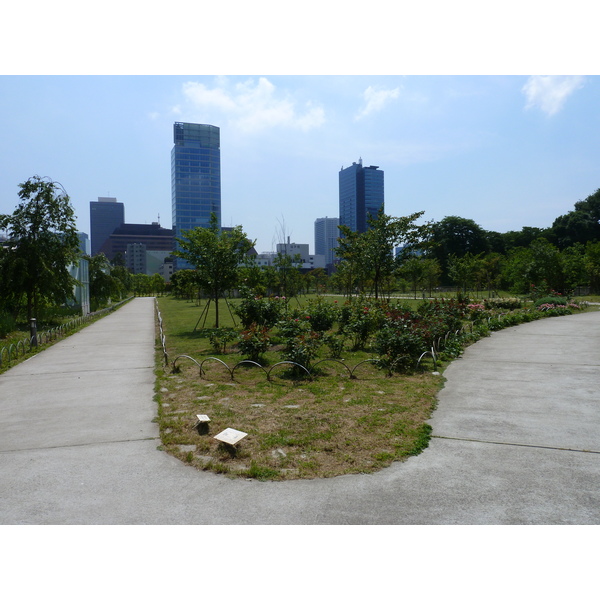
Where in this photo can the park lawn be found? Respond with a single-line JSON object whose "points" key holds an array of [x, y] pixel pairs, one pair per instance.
{"points": [[297, 427]]}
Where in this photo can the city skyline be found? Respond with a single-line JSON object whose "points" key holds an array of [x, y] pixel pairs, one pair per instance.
{"points": [[505, 151]]}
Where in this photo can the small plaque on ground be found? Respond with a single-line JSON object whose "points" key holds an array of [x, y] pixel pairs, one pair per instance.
{"points": [[230, 436], [203, 418]]}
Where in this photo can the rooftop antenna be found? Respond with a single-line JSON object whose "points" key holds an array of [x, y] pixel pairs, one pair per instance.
{"points": [[159, 219]]}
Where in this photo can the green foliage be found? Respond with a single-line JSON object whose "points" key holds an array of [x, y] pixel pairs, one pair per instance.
{"points": [[398, 343], [219, 338], [359, 319], [322, 314], [43, 243], [370, 255], [335, 343], [7, 324], [456, 237], [258, 310], [507, 303], [217, 256], [301, 342], [184, 284], [254, 341], [103, 285], [553, 300]]}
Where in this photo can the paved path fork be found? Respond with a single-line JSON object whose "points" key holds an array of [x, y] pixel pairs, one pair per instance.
{"points": [[516, 440]]}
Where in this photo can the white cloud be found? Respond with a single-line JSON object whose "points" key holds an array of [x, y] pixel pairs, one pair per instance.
{"points": [[550, 92], [253, 106], [375, 100]]}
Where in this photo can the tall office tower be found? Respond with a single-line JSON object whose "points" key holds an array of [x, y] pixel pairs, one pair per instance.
{"points": [[361, 194], [195, 178], [326, 238], [105, 216]]}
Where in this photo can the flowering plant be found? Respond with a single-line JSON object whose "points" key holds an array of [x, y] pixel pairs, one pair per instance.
{"points": [[254, 341], [259, 310]]}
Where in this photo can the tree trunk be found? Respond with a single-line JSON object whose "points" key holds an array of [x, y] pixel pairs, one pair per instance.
{"points": [[217, 311]]}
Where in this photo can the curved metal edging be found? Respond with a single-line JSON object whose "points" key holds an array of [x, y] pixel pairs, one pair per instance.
{"points": [[337, 361], [218, 360], [374, 360], [287, 362], [432, 352], [186, 356], [250, 362]]}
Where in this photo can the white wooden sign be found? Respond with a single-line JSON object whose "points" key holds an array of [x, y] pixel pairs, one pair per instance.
{"points": [[230, 436]]}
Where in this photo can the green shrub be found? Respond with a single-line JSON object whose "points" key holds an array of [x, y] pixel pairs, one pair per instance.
{"points": [[7, 324], [398, 345], [323, 315], [360, 319], [301, 342], [506, 303], [554, 300], [219, 338], [254, 341], [262, 311], [335, 343]]}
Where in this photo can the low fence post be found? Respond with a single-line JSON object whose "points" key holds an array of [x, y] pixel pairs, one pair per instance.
{"points": [[33, 332]]}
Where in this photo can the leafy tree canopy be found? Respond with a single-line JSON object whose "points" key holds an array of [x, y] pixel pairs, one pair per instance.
{"points": [[216, 255], [43, 244]]}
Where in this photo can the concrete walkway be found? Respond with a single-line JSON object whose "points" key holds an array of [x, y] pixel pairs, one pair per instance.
{"points": [[516, 441]]}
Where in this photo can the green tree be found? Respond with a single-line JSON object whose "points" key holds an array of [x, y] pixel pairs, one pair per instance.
{"points": [[539, 265], [372, 252], [464, 270], [43, 244], [581, 225], [217, 256], [123, 282], [253, 277], [413, 270], [431, 273], [288, 271], [455, 236], [102, 284], [184, 284], [591, 262]]}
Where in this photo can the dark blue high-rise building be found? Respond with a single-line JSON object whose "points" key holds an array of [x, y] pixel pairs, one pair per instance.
{"points": [[361, 194], [105, 216], [195, 178]]}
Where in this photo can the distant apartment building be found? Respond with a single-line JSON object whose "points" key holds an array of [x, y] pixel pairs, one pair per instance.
{"points": [[153, 237], [326, 238], [360, 195], [299, 252], [148, 262], [105, 216]]}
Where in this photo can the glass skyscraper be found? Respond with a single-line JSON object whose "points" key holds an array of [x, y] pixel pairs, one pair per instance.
{"points": [[361, 194], [195, 177]]}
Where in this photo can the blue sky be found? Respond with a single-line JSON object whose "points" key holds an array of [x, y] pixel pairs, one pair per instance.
{"points": [[505, 151], [444, 98]]}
